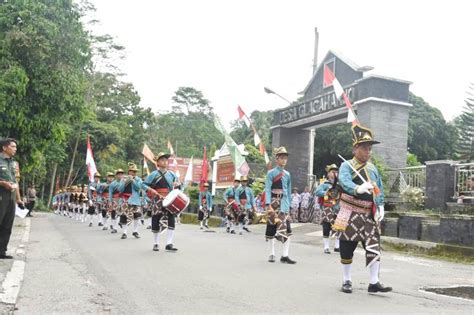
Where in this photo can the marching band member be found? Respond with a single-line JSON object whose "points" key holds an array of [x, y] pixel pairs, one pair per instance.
{"points": [[130, 187], [328, 194], [94, 199], [103, 192], [246, 202], [277, 200], [83, 203], [75, 202], [115, 201], [231, 206], [361, 208], [158, 184], [205, 206]]}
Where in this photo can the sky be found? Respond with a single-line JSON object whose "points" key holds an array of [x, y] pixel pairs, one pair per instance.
{"points": [[230, 50]]}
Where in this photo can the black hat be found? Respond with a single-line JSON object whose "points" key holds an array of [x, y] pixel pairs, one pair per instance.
{"points": [[361, 135]]}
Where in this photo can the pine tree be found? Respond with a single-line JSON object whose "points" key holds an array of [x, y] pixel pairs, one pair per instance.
{"points": [[465, 126]]}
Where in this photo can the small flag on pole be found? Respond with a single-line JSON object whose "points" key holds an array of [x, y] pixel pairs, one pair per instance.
{"points": [[243, 117], [91, 167], [170, 148], [330, 79]]}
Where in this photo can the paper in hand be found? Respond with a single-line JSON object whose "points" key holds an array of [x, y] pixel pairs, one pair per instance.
{"points": [[21, 212]]}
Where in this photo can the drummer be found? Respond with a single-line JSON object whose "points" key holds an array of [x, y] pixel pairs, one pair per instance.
{"points": [[157, 185]]}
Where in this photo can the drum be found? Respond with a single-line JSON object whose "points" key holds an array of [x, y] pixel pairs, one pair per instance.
{"points": [[176, 201]]}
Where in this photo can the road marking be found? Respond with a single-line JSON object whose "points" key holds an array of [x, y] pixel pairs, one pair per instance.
{"points": [[11, 284]]}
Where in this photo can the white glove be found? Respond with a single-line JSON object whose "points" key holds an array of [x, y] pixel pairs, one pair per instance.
{"points": [[364, 188], [200, 207], [380, 214], [90, 203]]}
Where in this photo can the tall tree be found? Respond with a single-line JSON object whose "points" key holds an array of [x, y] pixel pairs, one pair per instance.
{"points": [[429, 136], [465, 128]]}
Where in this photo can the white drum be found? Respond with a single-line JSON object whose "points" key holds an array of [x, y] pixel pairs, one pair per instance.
{"points": [[176, 201]]}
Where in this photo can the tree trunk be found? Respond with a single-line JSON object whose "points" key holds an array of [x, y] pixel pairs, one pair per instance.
{"points": [[42, 191], [53, 181], [73, 157]]}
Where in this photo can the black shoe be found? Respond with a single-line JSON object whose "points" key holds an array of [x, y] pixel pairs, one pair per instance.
{"points": [[142, 222], [100, 224], [228, 230], [155, 248], [206, 226], [337, 250], [347, 287], [105, 228], [378, 287], [327, 251], [170, 247], [120, 224], [232, 232], [287, 260], [246, 229], [124, 236], [90, 224], [271, 258], [5, 256], [113, 231], [136, 234], [148, 227]]}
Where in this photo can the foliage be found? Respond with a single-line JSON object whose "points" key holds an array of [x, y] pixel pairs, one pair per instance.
{"points": [[44, 56], [257, 186], [328, 143], [429, 136], [262, 121], [412, 160], [193, 193], [190, 125], [465, 128], [413, 196]]}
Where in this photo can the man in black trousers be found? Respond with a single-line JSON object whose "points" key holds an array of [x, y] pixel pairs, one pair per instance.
{"points": [[9, 193]]}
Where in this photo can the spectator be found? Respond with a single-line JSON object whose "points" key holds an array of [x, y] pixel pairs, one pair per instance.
{"points": [[9, 193], [31, 193], [295, 205], [304, 211]]}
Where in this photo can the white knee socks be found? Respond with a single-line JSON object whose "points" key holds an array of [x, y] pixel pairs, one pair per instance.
{"points": [[286, 248], [326, 242], [170, 237], [272, 246], [374, 272], [346, 268], [156, 237], [336, 243], [135, 225]]}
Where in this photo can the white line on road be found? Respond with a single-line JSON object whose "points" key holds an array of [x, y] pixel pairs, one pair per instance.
{"points": [[11, 284]]}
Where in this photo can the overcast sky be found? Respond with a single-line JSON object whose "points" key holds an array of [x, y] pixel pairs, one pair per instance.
{"points": [[230, 50]]}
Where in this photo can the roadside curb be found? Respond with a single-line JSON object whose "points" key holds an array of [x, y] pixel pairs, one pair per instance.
{"points": [[14, 277]]}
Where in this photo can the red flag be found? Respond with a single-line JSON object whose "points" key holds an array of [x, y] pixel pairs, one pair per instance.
{"points": [[91, 168], [330, 79], [243, 117], [148, 154], [205, 171]]}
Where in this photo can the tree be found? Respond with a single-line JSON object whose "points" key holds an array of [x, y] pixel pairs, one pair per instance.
{"points": [[465, 127], [262, 121], [328, 143], [190, 124], [429, 136], [44, 52]]}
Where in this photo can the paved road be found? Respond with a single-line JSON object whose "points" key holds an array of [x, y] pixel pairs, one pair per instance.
{"points": [[72, 268]]}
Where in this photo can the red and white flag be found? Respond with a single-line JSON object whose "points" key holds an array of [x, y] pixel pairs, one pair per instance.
{"points": [[330, 79], [170, 148], [205, 171], [91, 168], [243, 117]]}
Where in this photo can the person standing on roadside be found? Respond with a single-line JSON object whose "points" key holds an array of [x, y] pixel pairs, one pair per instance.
{"points": [[9, 193]]}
